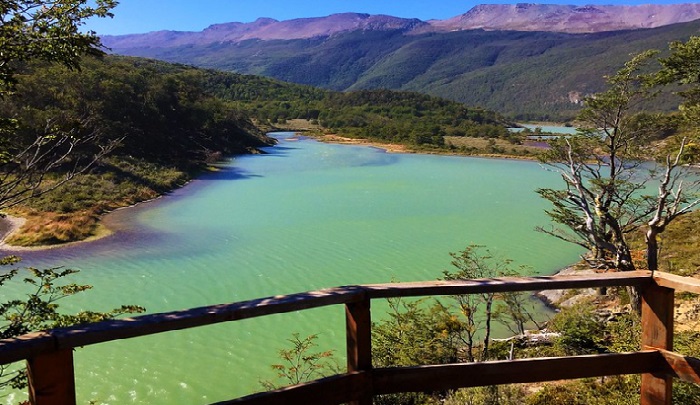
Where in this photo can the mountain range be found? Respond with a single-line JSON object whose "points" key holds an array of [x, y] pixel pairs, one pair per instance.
{"points": [[512, 17], [527, 60]]}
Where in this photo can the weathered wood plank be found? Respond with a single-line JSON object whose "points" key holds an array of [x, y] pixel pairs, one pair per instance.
{"points": [[678, 283], [170, 321], [51, 379], [327, 391], [509, 284], [450, 376], [157, 323], [359, 345], [683, 367], [657, 333], [25, 346]]}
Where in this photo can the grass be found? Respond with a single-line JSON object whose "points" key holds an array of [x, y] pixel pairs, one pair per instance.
{"points": [[491, 147], [72, 212], [679, 253]]}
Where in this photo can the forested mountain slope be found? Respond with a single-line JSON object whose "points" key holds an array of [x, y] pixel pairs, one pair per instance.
{"points": [[523, 74]]}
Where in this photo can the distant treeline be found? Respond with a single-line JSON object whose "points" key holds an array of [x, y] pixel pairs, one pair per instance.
{"points": [[390, 116], [160, 113], [184, 116]]}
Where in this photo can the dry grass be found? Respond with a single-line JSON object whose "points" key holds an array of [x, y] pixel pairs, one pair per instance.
{"points": [[51, 228], [680, 246], [492, 147]]}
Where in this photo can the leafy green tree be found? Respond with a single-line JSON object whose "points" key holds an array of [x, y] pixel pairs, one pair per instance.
{"points": [[480, 310], [44, 30], [416, 333], [39, 309], [49, 31], [302, 364]]}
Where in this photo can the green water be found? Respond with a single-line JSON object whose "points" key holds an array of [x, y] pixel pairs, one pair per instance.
{"points": [[306, 216]]}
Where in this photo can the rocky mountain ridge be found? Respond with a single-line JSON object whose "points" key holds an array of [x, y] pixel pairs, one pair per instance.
{"points": [[569, 19], [514, 17]]}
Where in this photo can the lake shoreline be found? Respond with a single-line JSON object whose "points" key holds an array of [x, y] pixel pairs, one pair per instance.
{"points": [[10, 225]]}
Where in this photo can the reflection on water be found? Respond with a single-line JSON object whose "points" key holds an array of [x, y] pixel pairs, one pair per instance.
{"points": [[305, 216]]}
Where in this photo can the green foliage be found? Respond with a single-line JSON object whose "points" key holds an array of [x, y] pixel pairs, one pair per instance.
{"points": [[479, 310], [388, 116], [581, 330], [155, 111], [39, 309], [416, 333], [46, 30], [301, 364], [682, 67], [492, 395], [618, 390]]}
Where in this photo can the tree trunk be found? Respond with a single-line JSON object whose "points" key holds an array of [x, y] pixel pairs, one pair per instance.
{"points": [[652, 249], [487, 332], [625, 263]]}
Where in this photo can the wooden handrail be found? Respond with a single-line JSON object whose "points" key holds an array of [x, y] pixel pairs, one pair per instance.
{"points": [[657, 363], [19, 348]]}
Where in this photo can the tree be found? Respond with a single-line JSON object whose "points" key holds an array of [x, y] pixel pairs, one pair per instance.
{"points": [[300, 364], [40, 311], [508, 308], [600, 167], [45, 30], [607, 174], [676, 195]]}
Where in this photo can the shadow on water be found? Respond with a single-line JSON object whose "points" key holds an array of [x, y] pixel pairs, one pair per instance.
{"points": [[229, 173], [276, 151], [129, 238]]}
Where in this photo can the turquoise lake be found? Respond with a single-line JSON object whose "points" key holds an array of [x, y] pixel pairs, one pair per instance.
{"points": [[305, 216]]}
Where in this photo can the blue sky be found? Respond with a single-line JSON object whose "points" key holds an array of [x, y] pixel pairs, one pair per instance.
{"points": [[137, 16]]}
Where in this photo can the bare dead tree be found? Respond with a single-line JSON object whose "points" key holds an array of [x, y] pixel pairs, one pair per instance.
{"points": [[57, 154], [675, 198]]}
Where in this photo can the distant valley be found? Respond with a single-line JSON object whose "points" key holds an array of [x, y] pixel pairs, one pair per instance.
{"points": [[529, 61]]}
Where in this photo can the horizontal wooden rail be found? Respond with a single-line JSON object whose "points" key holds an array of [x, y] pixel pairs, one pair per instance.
{"points": [[20, 348], [462, 375], [682, 367], [678, 283], [337, 389], [452, 376], [51, 350], [509, 284]]}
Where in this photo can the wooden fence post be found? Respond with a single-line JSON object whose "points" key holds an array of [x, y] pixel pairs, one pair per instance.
{"points": [[657, 333], [359, 345], [51, 378]]}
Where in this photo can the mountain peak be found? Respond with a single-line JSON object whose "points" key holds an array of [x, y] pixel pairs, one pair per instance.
{"points": [[567, 18]]}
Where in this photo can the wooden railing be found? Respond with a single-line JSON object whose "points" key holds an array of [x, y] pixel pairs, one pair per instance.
{"points": [[49, 355]]}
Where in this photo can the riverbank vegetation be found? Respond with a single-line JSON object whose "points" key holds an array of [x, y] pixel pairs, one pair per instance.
{"points": [[165, 123], [163, 127]]}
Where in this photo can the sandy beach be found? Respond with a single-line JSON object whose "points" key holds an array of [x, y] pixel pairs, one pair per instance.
{"points": [[9, 225]]}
